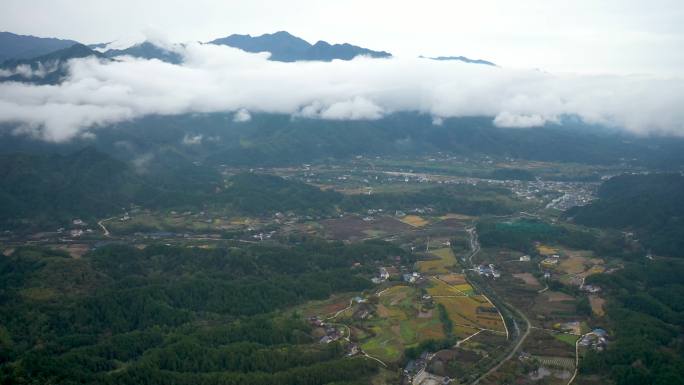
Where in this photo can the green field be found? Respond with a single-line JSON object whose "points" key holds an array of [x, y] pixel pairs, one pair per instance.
{"points": [[567, 338]]}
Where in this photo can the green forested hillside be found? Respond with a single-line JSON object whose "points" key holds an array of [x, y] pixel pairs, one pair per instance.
{"points": [[175, 315], [649, 205], [258, 194]]}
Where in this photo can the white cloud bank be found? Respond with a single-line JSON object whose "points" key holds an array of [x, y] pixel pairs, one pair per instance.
{"points": [[217, 78]]}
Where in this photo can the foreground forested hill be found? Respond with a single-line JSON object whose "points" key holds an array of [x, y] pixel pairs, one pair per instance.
{"points": [[646, 315], [173, 315]]}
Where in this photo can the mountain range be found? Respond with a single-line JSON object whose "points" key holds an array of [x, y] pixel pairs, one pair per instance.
{"points": [[283, 46], [288, 48]]}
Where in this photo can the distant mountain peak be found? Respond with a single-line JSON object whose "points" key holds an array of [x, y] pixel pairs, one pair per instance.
{"points": [[147, 50], [17, 47], [286, 47], [462, 59]]}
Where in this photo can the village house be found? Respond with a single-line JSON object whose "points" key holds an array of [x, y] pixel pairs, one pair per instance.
{"points": [[411, 278], [353, 349], [595, 340], [591, 288]]}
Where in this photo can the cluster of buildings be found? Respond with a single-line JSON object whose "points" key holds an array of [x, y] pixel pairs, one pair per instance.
{"points": [[332, 333], [383, 275], [562, 195], [262, 236], [414, 277], [488, 271], [78, 230]]}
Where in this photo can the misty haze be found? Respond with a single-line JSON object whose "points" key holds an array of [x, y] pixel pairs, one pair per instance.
{"points": [[341, 193]]}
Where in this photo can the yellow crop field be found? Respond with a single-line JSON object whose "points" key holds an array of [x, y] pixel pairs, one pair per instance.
{"points": [[439, 288], [546, 250], [464, 311], [464, 288], [446, 261], [414, 220]]}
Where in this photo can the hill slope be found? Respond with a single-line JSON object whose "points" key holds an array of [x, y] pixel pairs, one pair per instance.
{"points": [[45, 69], [649, 205], [40, 191]]}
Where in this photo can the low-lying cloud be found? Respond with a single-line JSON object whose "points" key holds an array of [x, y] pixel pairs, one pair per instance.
{"points": [[219, 79]]}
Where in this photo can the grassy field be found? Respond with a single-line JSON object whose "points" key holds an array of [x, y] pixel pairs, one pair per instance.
{"points": [[567, 338], [444, 264]]}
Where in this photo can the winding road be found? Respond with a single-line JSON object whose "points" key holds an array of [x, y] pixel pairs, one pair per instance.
{"points": [[104, 229], [475, 249]]}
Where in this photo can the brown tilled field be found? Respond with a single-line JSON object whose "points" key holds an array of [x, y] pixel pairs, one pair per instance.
{"points": [[528, 278], [352, 227]]}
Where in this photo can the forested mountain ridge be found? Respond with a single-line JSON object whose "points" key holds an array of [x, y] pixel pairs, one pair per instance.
{"points": [[271, 139]]}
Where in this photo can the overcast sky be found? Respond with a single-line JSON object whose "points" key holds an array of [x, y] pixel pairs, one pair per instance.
{"points": [[584, 36]]}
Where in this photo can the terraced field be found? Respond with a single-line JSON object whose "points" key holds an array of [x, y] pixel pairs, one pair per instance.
{"points": [[399, 323]]}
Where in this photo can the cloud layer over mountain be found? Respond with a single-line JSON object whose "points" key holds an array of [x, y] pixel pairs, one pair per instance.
{"points": [[218, 78]]}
